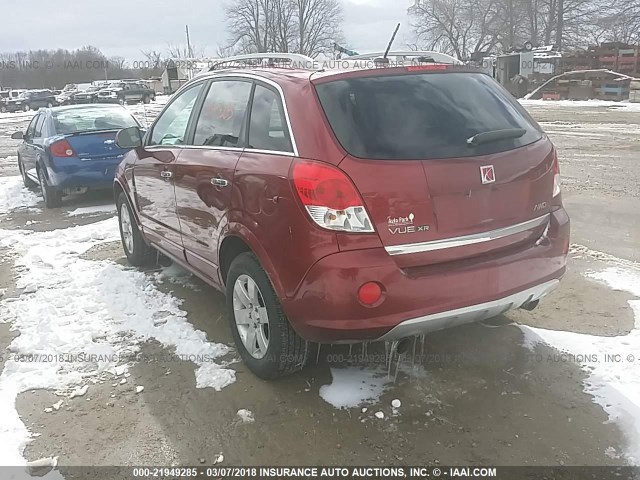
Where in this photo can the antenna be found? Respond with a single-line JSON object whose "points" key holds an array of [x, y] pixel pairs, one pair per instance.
{"points": [[189, 52], [393, 37]]}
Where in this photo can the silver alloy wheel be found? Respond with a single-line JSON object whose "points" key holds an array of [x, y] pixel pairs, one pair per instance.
{"points": [[127, 231], [251, 316]]}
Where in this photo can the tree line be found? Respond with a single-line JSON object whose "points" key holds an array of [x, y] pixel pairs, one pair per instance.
{"points": [[465, 27], [56, 68]]}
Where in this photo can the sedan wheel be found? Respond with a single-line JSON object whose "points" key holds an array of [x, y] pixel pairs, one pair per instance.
{"points": [[252, 319], [49, 105], [51, 195], [26, 108]]}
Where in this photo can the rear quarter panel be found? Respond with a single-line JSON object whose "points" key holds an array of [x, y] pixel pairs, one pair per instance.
{"points": [[266, 214]]}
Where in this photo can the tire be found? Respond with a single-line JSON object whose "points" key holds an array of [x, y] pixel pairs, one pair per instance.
{"points": [[51, 195], [26, 108], [3, 109], [49, 105], [122, 101], [135, 248], [277, 350], [146, 100], [25, 178]]}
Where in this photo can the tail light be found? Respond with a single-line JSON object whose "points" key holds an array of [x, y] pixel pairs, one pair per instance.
{"points": [[556, 174], [330, 198], [62, 148]]}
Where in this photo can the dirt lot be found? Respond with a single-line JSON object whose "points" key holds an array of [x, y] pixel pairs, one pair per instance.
{"points": [[479, 394]]}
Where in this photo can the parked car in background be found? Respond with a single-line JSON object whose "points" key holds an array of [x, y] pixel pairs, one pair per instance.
{"points": [[347, 205], [90, 95], [126, 92], [31, 100], [71, 149], [6, 95]]}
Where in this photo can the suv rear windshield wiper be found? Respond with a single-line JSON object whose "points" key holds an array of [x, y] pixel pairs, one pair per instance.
{"points": [[495, 135]]}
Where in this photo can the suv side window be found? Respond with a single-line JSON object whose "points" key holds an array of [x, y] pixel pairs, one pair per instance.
{"points": [[171, 127], [223, 114], [268, 127], [38, 128]]}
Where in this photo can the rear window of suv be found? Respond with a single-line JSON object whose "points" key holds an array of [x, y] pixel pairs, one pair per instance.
{"points": [[423, 116]]}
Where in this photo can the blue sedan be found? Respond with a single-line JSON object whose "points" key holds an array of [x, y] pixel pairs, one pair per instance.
{"points": [[71, 149]]}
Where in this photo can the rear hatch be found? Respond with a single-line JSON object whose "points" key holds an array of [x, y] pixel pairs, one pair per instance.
{"points": [[450, 166]]}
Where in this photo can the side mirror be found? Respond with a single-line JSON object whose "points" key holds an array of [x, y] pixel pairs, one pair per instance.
{"points": [[17, 136], [129, 138]]}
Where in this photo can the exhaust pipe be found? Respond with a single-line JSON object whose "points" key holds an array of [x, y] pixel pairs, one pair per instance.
{"points": [[530, 305], [403, 346]]}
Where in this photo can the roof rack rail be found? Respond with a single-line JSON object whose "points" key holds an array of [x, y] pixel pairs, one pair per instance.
{"points": [[427, 54], [302, 60]]}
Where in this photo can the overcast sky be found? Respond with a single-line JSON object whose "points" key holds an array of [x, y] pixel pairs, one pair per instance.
{"points": [[124, 27]]}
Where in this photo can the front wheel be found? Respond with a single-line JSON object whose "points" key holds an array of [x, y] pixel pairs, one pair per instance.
{"points": [[26, 108], [146, 100], [51, 195], [267, 342], [122, 101], [135, 248], [49, 105]]}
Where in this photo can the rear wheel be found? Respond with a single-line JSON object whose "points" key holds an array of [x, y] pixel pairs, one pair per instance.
{"points": [[25, 178], [26, 107], [3, 109], [51, 195], [135, 248], [122, 101], [49, 105], [262, 333], [146, 100]]}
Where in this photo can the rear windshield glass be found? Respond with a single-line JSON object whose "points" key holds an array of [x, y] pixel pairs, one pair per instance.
{"points": [[422, 116], [92, 119]]}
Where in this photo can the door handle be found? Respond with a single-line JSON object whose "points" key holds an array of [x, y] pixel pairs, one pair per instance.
{"points": [[166, 174], [219, 182]]}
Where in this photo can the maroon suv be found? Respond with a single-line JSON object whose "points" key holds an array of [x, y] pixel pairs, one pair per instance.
{"points": [[347, 205]]}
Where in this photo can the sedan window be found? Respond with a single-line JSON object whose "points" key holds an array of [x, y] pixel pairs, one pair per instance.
{"points": [[171, 127], [223, 114], [38, 130]]}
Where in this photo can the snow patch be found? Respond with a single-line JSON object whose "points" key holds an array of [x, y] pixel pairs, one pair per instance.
{"points": [[246, 416], [353, 386], [85, 318], [612, 363], [13, 194]]}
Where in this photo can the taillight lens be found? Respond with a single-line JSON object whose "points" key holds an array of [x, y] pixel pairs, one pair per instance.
{"points": [[330, 198], [556, 174], [62, 148]]}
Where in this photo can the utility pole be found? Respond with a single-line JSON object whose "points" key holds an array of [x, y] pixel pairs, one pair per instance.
{"points": [[560, 25], [189, 52]]}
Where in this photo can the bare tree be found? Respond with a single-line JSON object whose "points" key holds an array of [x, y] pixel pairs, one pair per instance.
{"points": [[154, 58], [319, 25], [302, 26], [457, 27]]}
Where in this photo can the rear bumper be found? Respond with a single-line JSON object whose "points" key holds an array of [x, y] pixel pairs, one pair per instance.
{"points": [[424, 299], [94, 174]]}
